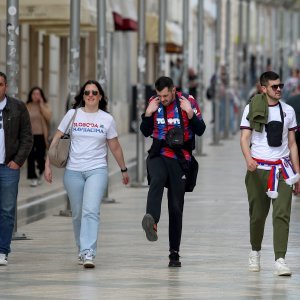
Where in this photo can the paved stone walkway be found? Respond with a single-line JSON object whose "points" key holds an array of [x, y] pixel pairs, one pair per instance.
{"points": [[214, 251]]}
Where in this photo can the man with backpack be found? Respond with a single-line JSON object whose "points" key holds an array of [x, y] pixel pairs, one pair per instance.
{"points": [[172, 119]]}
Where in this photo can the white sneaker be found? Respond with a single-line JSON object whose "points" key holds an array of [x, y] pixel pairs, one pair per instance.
{"points": [[34, 182], [80, 259], [3, 259], [281, 268], [254, 261], [40, 179], [88, 261]]}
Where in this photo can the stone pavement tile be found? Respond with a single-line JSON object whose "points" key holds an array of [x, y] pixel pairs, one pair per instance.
{"points": [[214, 252]]}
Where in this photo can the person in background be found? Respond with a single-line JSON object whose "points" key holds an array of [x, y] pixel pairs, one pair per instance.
{"points": [[15, 146], [268, 125], [291, 83], [86, 173], [164, 164], [294, 102], [254, 91], [40, 116], [192, 82], [176, 73]]}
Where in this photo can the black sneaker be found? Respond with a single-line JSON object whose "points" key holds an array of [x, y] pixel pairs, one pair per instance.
{"points": [[174, 259], [150, 228]]}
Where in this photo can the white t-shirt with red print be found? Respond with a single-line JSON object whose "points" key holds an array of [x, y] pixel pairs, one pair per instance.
{"points": [[88, 149]]}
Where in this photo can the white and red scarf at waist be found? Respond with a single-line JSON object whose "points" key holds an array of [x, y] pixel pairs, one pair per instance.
{"points": [[288, 173]]}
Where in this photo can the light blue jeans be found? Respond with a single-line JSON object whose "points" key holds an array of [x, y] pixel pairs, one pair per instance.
{"points": [[85, 191]]}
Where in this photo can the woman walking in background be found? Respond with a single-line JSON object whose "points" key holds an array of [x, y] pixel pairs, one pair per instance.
{"points": [[40, 116], [86, 174]]}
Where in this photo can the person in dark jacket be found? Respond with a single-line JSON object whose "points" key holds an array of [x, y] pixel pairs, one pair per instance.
{"points": [[15, 145], [294, 102], [169, 112]]}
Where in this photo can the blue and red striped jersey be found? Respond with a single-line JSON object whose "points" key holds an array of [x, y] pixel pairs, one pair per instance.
{"points": [[160, 128]]}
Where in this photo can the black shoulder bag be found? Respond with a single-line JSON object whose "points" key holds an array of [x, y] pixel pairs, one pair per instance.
{"points": [[175, 136], [274, 130], [175, 140]]}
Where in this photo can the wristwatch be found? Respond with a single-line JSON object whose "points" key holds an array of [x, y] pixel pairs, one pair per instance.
{"points": [[124, 170]]}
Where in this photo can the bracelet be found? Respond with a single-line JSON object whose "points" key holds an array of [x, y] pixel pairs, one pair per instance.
{"points": [[124, 170]]}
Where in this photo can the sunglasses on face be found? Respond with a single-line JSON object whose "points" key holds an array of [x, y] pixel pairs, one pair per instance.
{"points": [[276, 86], [86, 93]]}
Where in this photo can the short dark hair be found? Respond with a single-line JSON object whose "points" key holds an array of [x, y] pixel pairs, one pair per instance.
{"points": [[266, 76], [79, 102], [163, 82], [4, 76]]}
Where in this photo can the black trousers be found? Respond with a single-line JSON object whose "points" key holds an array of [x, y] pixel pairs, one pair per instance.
{"points": [[36, 156], [163, 172]]}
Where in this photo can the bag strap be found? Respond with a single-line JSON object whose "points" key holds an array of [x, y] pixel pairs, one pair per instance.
{"points": [[71, 123], [281, 112], [179, 113]]}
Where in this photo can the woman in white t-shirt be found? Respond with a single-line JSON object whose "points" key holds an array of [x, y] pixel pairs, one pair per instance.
{"points": [[86, 174]]}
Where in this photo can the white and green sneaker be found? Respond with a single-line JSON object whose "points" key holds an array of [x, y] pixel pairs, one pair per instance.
{"points": [[281, 268], [254, 261]]}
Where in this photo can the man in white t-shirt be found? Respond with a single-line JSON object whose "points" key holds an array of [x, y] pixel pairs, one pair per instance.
{"points": [[268, 144]]}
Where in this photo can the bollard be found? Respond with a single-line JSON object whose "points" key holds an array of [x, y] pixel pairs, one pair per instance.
{"points": [[17, 235]]}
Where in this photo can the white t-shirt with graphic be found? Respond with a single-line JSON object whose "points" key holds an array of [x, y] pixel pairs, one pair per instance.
{"points": [[88, 149], [259, 143], [2, 137]]}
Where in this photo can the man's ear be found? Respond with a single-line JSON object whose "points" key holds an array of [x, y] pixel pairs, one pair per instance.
{"points": [[263, 89]]}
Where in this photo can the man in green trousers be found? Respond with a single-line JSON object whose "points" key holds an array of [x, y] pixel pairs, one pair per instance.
{"points": [[268, 144]]}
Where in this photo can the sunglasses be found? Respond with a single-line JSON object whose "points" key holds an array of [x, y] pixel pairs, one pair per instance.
{"points": [[86, 93], [276, 86]]}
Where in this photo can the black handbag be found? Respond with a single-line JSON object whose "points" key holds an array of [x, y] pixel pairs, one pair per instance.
{"points": [[191, 175], [175, 138], [274, 130]]}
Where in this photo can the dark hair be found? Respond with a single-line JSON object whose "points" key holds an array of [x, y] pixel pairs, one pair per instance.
{"points": [[29, 99], [163, 82], [79, 102], [4, 76], [266, 76]]}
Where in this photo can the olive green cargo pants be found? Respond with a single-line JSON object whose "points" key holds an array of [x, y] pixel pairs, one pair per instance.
{"points": [[259, 206]]}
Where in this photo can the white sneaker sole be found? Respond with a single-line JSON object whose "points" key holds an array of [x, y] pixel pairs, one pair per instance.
{"points": [[254, 269], [283, 273]]}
